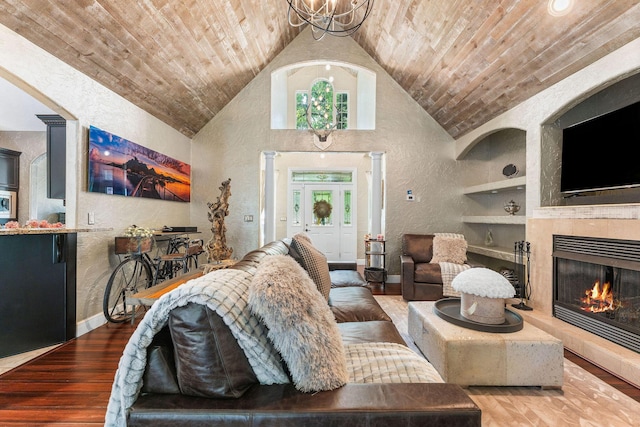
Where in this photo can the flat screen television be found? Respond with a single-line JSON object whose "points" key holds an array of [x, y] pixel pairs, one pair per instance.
{"points": [[602, 153]]}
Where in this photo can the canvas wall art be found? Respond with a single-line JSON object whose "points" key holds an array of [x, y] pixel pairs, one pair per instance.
{"points": [[121, 167]]}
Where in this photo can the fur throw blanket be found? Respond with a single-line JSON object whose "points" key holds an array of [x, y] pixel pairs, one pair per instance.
{"points": [[224, 291]]}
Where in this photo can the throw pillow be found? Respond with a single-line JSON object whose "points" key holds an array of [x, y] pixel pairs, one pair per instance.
{"points": [[449, 249], [300, 323], [211, 362], [312, 260]]}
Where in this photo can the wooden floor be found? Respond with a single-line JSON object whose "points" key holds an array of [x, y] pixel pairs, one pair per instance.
{"points": [[70, 386]]}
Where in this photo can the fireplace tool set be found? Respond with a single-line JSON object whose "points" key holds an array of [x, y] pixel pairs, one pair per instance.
{"points": [[522, 249]]}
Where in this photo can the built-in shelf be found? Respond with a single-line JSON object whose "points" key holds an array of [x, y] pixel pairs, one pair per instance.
{"points": [[497, 252], [496, 219], [497, 186]]}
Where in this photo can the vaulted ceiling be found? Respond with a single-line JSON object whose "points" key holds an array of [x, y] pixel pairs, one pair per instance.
{"points": [[463, 61]]}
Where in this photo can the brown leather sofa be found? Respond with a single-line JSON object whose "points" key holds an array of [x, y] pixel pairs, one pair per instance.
{"points": [[419, 279], [162, 402]]}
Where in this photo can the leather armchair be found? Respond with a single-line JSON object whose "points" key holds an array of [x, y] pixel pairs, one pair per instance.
{"points": [[419, 279]]}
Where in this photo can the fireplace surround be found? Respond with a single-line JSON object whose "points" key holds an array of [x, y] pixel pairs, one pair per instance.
{"points": [[596, 286], [606, 222]]}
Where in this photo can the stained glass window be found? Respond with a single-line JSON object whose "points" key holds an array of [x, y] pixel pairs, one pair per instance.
{"points": [[296, 207], [321, 176], [347, 207]]}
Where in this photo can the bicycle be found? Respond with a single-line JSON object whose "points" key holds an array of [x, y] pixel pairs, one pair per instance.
{"points": [[139, 271]]}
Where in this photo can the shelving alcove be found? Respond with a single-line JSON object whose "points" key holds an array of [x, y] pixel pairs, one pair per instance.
{"points": [[486, 192]]}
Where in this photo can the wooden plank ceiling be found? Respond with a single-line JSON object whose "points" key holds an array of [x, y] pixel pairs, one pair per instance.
{"points": [[463, 61]]}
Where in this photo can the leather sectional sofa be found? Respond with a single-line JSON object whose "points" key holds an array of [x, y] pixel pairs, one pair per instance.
{"points": [[174, 359]]}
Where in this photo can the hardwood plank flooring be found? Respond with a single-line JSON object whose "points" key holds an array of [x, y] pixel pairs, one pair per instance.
{"points": [[67, 386], [70, 386]]}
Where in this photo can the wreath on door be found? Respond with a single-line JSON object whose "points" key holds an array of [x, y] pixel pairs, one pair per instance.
{"points": [[322, 209]]}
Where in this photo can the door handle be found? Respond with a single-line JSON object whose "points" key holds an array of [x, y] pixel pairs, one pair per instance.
{"points": [[58, 248]]}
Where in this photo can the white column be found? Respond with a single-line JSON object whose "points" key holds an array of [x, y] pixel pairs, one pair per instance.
{"points": [[376, 193], [269, 197]]}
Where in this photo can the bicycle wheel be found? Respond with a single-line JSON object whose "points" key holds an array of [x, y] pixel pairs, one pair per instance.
{"points": [[130, 275]]}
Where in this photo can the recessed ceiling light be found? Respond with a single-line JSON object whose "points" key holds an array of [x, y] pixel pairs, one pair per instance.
{"points": [[559, 7]]}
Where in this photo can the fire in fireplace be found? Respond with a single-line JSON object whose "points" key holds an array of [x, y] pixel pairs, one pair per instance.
{"points": [[600, 300], [597, 287]]}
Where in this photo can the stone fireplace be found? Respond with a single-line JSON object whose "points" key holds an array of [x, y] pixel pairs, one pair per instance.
{"points": [[596, 286], [592, 223]]}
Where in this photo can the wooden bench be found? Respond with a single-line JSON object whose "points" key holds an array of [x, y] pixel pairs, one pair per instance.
{"points": [[150, 295]]}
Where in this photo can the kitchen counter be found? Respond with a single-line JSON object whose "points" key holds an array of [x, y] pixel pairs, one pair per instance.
{"points": [[25, 230]]}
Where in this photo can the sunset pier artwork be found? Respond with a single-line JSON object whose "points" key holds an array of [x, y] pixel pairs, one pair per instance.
{"points": [[121, 167]]}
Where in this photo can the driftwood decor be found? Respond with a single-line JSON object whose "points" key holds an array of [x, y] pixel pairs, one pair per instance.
{"points": [[217, 249]]}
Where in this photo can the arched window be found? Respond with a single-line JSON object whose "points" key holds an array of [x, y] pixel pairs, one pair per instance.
{"points": [[326, 105], [353, 100]]}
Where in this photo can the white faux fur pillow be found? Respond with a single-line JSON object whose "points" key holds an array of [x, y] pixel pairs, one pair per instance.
{"points": [[301, 325], [449, 249]]}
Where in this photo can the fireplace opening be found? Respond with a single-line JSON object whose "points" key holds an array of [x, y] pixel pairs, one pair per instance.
{"points": [[597, 287]]}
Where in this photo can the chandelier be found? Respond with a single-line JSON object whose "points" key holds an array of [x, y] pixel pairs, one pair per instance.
{"points": [[335, 17], [322, 132], [319, 112]]}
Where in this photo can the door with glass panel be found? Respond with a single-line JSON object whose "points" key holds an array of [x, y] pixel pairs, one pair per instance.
{"points": [[326, 212]]}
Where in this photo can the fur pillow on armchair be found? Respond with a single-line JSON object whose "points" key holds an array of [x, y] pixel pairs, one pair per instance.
{"points": [[449, 249], [300, 322]]}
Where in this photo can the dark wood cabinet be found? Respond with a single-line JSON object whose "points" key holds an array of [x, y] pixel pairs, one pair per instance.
{"points": [[56, 155], [9, 169], [38, 291]]}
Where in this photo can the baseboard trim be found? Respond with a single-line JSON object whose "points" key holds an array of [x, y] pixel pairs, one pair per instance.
{"points": [[89, 324]]}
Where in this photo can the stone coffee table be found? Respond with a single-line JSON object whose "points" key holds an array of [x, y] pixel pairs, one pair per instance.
{"points": [[529, 357]]}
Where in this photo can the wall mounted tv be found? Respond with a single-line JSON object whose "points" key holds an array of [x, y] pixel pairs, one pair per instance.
{"points": [[601, 153]]}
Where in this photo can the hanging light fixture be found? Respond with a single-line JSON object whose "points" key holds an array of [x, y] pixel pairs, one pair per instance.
{"points": [[323, 130], [320, 114], [335, 17]]}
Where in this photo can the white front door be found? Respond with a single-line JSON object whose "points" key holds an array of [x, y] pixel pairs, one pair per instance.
{"points": [[327, 213]]}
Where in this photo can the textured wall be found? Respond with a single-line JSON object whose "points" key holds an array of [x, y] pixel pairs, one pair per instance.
{"points": [[418, 152], [84, 102]]}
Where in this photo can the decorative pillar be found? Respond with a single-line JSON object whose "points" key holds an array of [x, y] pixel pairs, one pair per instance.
{"points": [[376, 193], [269, 197]]}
